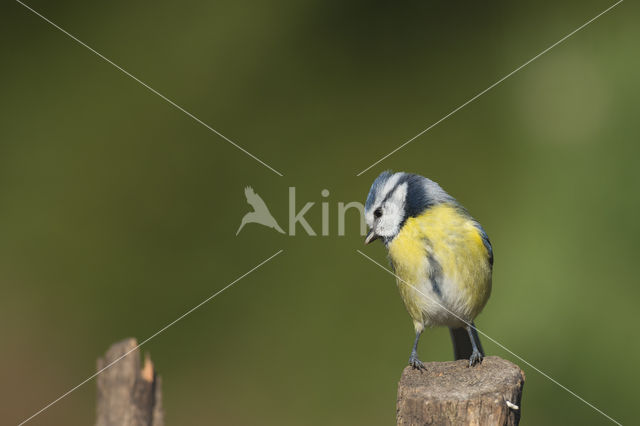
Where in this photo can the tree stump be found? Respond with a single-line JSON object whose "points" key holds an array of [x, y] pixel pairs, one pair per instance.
{"points": [[127, 394], [452, 393]]}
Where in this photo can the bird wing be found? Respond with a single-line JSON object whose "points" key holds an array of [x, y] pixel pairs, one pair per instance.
{"points": [[254, 199], [486, 242]]}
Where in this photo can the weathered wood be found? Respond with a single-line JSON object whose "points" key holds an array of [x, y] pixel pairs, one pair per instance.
{"points": [[127, 394], [451, 393]]}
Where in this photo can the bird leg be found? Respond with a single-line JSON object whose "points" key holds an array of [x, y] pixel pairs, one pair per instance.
{"points": [[476, 355], [414, 362]]}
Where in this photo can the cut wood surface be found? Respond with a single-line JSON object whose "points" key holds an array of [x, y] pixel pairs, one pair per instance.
{"points": [[128, 395], [452, 393]]}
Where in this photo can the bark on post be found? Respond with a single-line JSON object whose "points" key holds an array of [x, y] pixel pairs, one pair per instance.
{"points": [[451, 393], [127, 394]]}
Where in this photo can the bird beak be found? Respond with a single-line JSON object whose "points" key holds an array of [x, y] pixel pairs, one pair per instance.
{"points": [[371, 236]]}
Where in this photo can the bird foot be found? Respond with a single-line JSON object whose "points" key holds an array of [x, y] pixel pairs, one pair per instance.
{"points": [[416, 364], [475, 358]]}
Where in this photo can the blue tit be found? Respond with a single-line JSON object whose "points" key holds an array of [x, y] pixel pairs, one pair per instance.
{"points": [[441, 256]]}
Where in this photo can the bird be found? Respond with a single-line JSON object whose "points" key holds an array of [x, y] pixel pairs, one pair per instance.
{"points": [[441, 256], [260, 213]]}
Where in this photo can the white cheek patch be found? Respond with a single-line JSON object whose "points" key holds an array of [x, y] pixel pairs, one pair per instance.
{"points": [[389, 221], [385, 226], [391, 198], [399, 195], [392, 212]]}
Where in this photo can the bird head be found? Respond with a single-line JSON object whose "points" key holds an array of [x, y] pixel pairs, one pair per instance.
{"points": [[395, 197]]}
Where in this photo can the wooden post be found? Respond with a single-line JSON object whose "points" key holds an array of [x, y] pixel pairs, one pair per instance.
{"points": [[451, 393], [127, 394]]}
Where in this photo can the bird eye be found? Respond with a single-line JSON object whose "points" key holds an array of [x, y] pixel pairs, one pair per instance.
{"points": [[378, 212]]}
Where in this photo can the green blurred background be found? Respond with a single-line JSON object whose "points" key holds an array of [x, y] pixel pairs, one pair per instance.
{"points": [[118, 212]]}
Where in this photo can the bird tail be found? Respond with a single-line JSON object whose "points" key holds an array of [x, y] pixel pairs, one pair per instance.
{"points": [[462, 348]]}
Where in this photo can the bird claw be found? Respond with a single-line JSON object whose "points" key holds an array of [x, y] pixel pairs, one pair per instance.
{"points": [[475, 358], [416, 364]]}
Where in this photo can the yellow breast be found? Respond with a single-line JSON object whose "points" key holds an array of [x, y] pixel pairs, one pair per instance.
{"points": [[445, 244]]}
